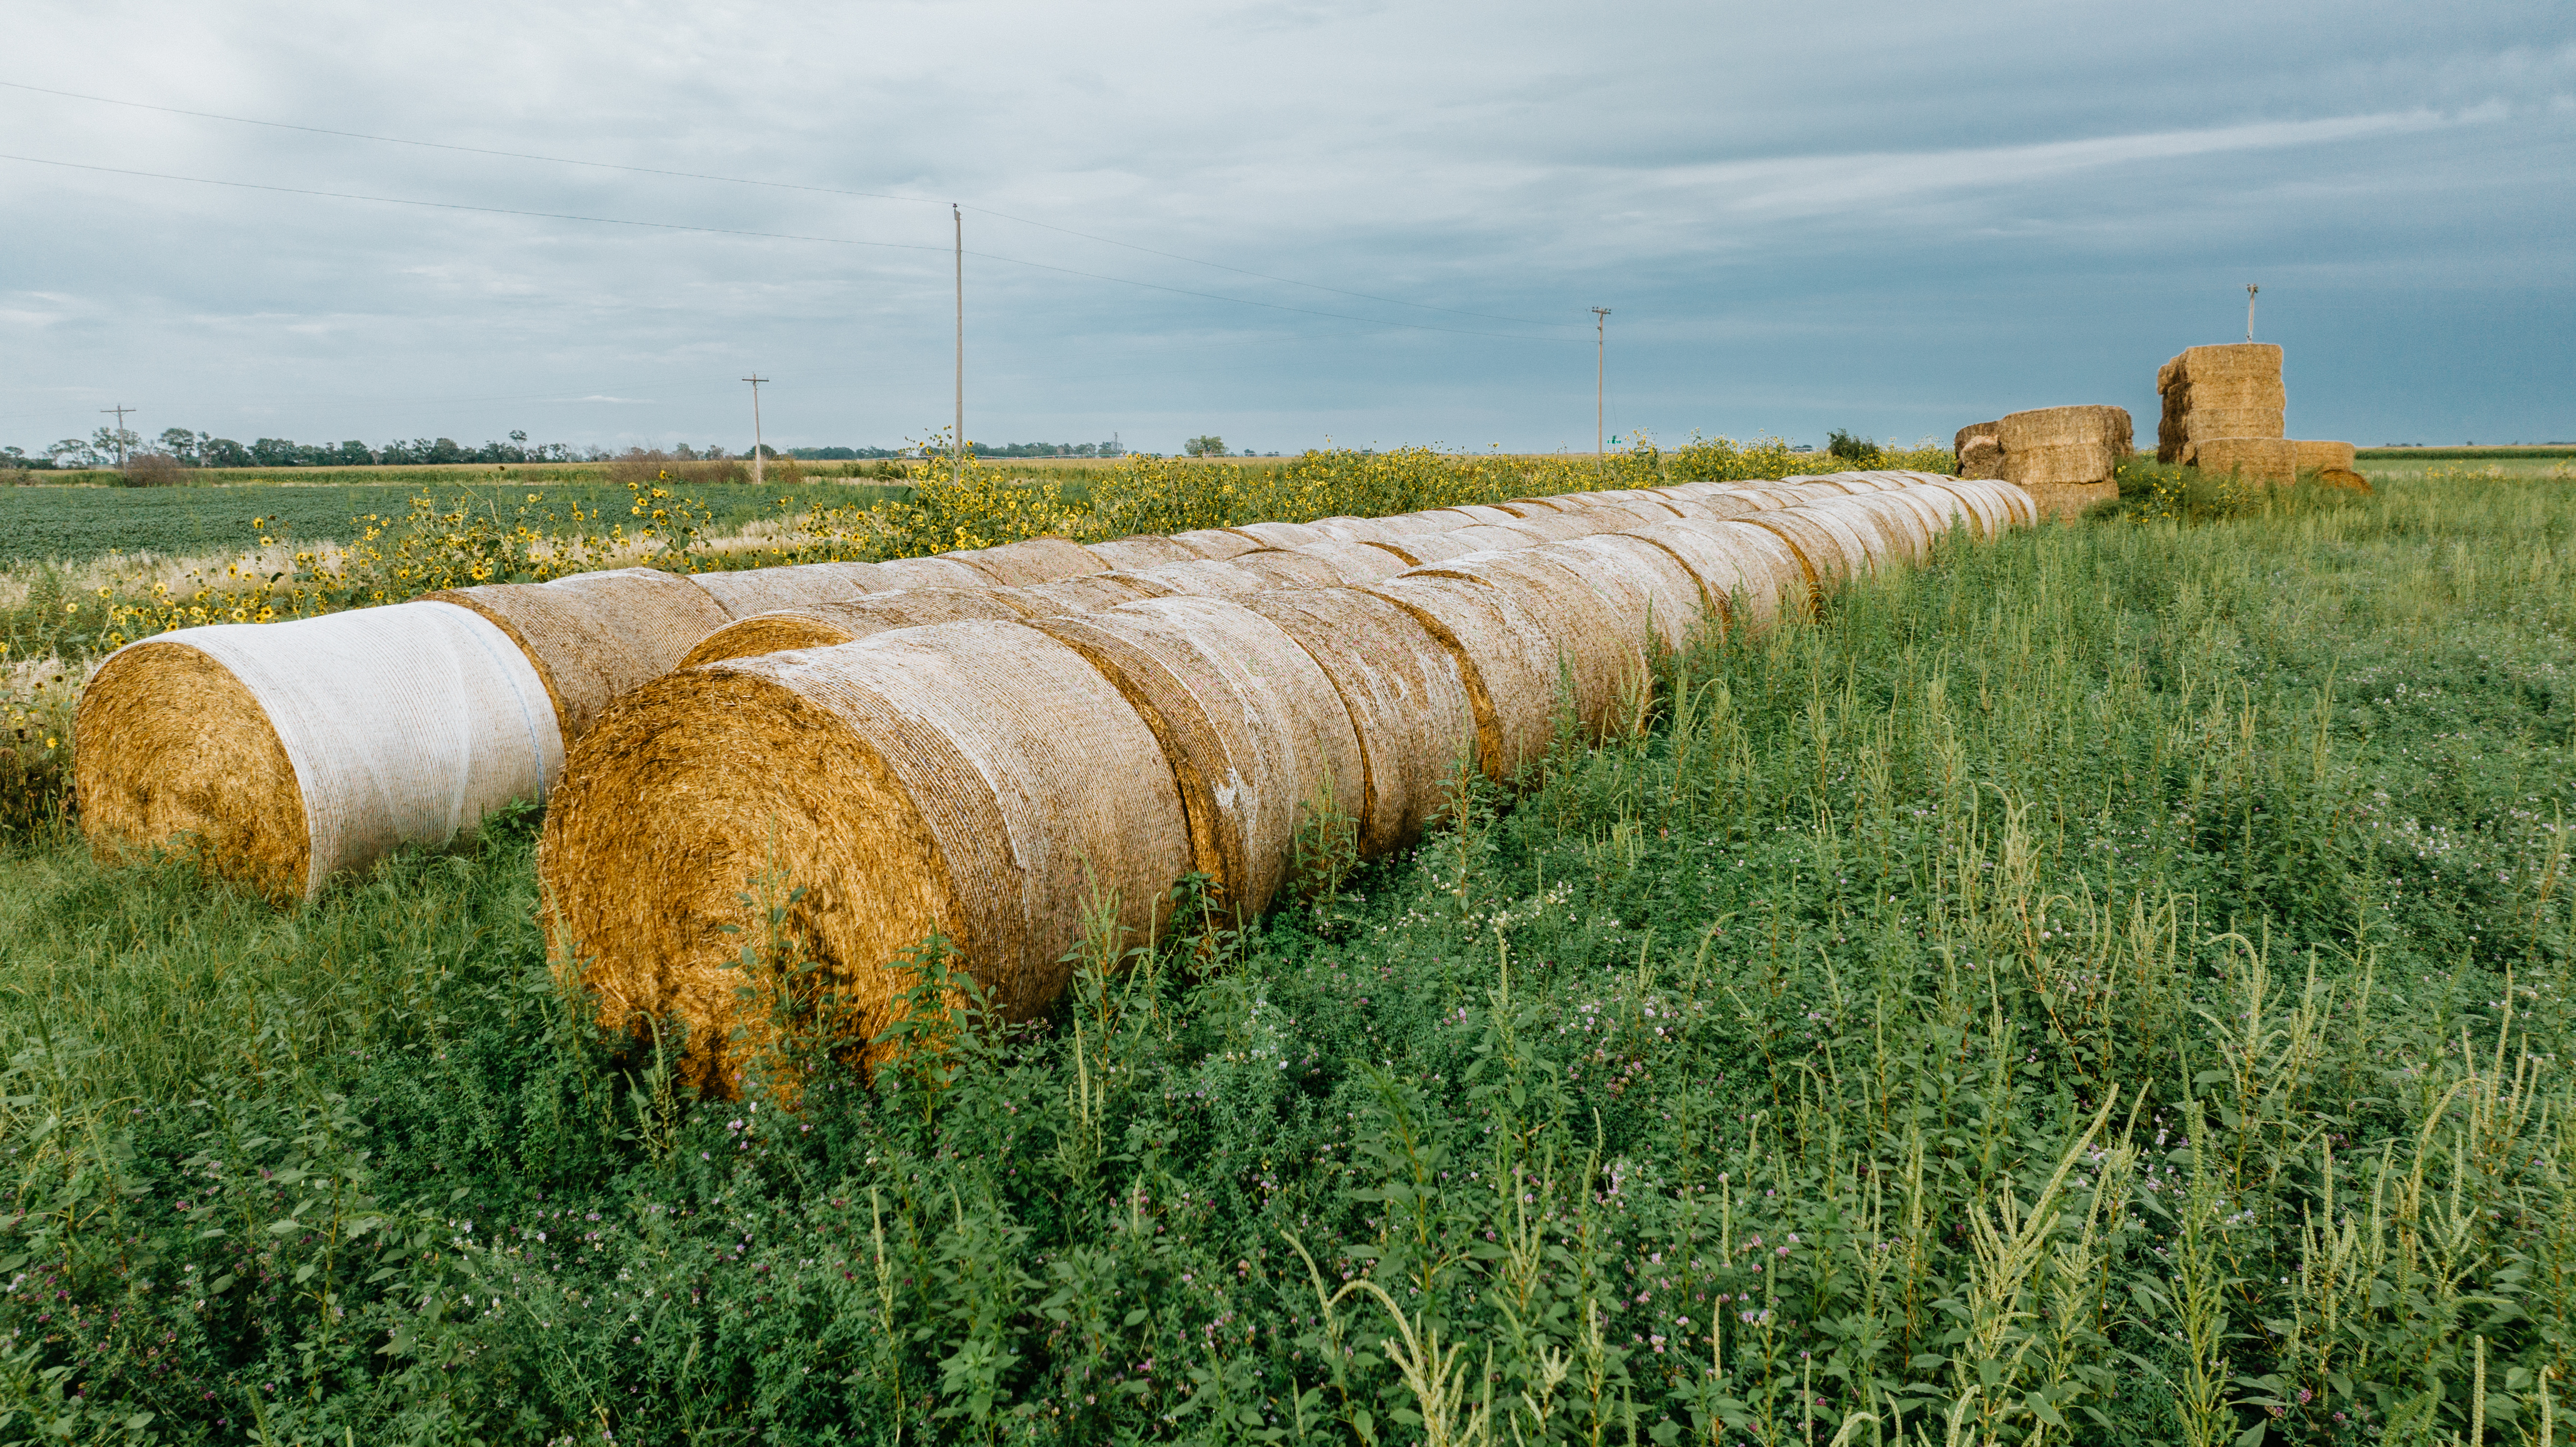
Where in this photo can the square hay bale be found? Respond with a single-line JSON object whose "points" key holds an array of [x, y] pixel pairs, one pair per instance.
{"points": [[2067, 501], [2270, 460], [2239, 381], [1980, 450], [2064, 446], [2324, 456]]}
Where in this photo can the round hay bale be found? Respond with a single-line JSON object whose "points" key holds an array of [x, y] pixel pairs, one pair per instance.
{"points": [[1878, 547], [1087, 594], [1558, 526], [760, 590], [1767, 499], [1505, 658], [1031, 560], [1215, 544], [1676, 606], [1255, 732], [1528, 507], [284, 753], [2345, 478], [1207, 578], [1595, 625], [1477, 512], [1822, 548], [1285, 536], [977, 779], [1931, 517], [1985, 516], [1284, 569], [1407, 696], [1135, 554], [947, 571], [1897, 535], [1417, 549], [2017, 505], [826, 625], [1357, 563], [1496, 537], [593, 636], [1745, 572], [1351, 529], [1405, 524]]}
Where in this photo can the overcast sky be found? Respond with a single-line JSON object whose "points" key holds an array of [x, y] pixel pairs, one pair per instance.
{"points": [[1893, 218]]}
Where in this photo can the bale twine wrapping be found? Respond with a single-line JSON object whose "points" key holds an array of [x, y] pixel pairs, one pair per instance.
{"points": [[762, 590], [1207, 578], [1288, 536], [1746, 572], [1676, 605], [1417, 549], [1215, 544], [1595, 625], [1357, 563], [1032, 560], [1284, 569], [977, 779], [826, 625], [1407, 696], [1253, 728], [2270, 460], [593, 636], [285, 753], [1506, 659], [1135, 554], [2324, 456], [945, 571]]}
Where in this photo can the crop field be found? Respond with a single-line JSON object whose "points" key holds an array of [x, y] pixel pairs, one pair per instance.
{"points": [[2111, 985], [70, 525]]}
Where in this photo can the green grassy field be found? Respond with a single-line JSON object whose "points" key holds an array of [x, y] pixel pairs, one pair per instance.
{"points": [[2109, 986], [78, 524]]}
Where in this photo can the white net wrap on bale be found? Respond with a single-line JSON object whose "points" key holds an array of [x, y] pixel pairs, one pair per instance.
{"points": [[1351, 529], [1749, 573], [977, 779], [1254, 729], [1983, 516], [824, 625], [1505, 657], [1827, 544], [1881, 539], [593, 636], [1145, 550], [1088, 594], [1356, 563], [1496, 537], [1419, 548], [1407, 697], [761, 590], [1207, 578], [1032, 560], [1216, 544], [1283, 569], [288, 752], [1283, 535], [1677, 606], [940, 572], [1595, 627]]}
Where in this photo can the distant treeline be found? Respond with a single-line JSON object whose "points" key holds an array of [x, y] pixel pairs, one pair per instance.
{"points": [[107, 445]]}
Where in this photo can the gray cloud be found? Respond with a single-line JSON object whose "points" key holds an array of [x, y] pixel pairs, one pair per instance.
{"points": [[1870, 215]]}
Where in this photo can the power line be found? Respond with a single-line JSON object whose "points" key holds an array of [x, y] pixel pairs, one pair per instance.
{"points": [[769, 185], [757, 235]]}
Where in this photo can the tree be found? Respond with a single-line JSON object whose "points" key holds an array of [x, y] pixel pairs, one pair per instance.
{"points": [[1851, 447], [180, 443], [1209, 446]]}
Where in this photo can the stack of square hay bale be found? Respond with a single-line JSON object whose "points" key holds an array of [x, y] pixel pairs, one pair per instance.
{"points": [[2063, 456], [2223, 412]]}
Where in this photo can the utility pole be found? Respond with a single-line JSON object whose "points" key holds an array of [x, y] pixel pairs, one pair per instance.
{"points": [[957, 447], [1600, 372], [2250, 289], [120, 410], [755, 379]]}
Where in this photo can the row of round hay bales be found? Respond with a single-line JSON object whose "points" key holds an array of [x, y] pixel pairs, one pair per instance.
{"points": [[245, 774], [1011, 784]]}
